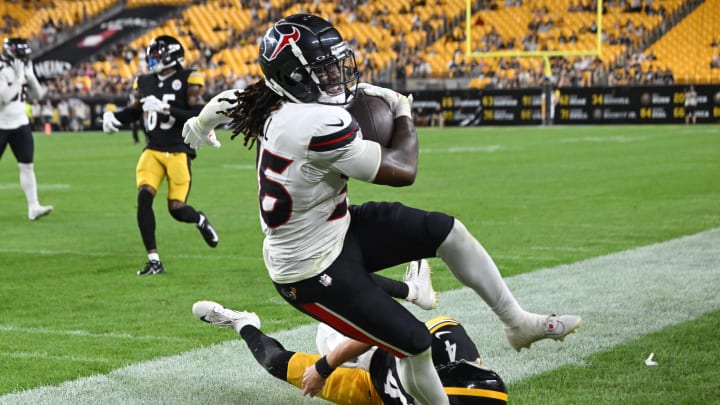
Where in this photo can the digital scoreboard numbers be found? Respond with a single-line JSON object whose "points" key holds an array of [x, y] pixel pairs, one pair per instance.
{"points": [[511, 107]]}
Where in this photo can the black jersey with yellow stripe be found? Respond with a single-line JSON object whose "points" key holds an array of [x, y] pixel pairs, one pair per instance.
{"points": [[164, 131], [450, 343]]}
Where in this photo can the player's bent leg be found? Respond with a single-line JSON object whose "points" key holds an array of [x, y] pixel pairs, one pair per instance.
{"points": [[474, 267], [185, 213], [345, 386]]}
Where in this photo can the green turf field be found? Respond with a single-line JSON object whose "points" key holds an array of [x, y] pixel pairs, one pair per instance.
{"points": [[71, 305]]}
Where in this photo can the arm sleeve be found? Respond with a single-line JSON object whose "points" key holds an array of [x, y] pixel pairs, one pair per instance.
{"points": [[34, 87], [210, 117], [361, 160], [129, 114], [182, 114]]}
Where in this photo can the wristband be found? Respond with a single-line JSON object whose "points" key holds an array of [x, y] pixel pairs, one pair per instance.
{"points": [[323, 368]]}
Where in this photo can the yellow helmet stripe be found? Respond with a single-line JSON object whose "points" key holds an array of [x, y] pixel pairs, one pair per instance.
{"points": [[477, 392]]}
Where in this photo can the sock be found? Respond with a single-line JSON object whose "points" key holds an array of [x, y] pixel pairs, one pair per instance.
{"points": [[267, 351], [412, 292], [186, 213], [29, 184], [154, 256], [146, 219], [474, 268], [418, 376], [394, 288]]}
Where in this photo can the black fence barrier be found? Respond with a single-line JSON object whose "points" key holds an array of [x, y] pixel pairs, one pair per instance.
{"points": [[607, 105]]}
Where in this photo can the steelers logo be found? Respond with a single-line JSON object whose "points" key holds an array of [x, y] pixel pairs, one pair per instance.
{"points": [[176, 84]]}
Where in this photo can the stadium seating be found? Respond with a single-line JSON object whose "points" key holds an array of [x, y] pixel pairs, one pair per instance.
{"points": [[427, 34], [60, 12], [687, 49]]}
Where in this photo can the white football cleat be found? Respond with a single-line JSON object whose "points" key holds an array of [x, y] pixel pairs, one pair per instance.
{"points": [[536, 327], [419, 279], [218, 315], [39, 211]]}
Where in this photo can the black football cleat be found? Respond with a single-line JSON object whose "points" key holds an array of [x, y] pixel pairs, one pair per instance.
{"points": [[207, 231]]}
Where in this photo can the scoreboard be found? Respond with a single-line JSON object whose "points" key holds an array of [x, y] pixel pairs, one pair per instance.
{"points": [[607, 105]]}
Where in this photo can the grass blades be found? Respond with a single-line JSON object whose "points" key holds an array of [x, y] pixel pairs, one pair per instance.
{"points": [[72, 306]]}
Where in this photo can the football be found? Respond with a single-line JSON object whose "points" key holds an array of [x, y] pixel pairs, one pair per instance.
{"points": [[374, 116]]}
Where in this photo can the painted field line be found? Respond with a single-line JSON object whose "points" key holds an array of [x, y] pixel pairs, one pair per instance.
{"points": [[621, 297], [83, 333]]}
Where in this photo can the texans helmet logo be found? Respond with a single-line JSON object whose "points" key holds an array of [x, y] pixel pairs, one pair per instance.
{"points": [[283, 42]]}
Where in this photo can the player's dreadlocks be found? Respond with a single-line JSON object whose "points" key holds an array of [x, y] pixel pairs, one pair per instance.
{"points": [[252, 108]]}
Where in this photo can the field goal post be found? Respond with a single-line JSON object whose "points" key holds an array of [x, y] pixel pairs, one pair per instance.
{"points": [[547, 89]]}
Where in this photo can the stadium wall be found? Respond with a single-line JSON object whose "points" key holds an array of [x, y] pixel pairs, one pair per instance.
{"points": [[605, 105]]}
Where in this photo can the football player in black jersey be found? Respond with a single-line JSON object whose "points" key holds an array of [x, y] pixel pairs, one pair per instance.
{"points": [[367, 375], [164, 100]]}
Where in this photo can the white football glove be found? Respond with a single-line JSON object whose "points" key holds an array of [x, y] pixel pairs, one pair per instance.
{"points": [[110, 123], [152, 103], [197, 138], [400, 105]]}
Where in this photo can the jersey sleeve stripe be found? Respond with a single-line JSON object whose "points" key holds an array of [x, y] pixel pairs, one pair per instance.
{"points": [[333, 141], [196, 78]]}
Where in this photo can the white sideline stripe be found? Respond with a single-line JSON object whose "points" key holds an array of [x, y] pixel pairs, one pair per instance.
{"points": [[13, 186], [47, 356], [46, 331], [621, 297]]}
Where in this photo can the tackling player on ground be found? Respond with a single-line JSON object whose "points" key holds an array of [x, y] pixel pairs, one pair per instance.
{"points": [[318, 249], [367, 375], [17, 76], [164, 100]]}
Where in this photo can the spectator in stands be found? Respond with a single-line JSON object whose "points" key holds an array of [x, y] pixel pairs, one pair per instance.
{"points": [[690, 105], [47, 112], [715, 62], [36, 109], [63, 115]]}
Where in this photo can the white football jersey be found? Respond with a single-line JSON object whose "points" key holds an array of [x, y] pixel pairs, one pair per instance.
{"points": [[12, 112], [307, 154]]}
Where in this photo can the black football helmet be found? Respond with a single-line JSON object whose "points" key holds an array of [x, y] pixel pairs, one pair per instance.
{"points": [[305, 59], [164, 52], [16, 48], [469, 384]]}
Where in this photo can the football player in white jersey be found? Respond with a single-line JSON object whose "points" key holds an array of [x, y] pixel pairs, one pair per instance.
{"points": [[319, 250], [17, 77]]}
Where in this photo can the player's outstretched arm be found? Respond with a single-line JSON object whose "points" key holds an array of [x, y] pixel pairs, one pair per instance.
{"points": [[315, 375], [200, 130]]}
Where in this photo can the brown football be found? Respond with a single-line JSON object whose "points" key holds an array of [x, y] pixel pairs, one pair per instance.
{"points": [[374, 117]]}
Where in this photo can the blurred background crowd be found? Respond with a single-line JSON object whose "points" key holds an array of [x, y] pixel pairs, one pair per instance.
{"points": [[402, 43]]}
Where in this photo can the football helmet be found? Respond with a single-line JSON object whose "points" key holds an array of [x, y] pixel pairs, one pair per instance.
{"points": [[305, 59], [16, 48], [164, 52], [469, 384]]}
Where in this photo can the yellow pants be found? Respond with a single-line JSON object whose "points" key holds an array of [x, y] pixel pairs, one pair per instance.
{"points": [[154, 165]]}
